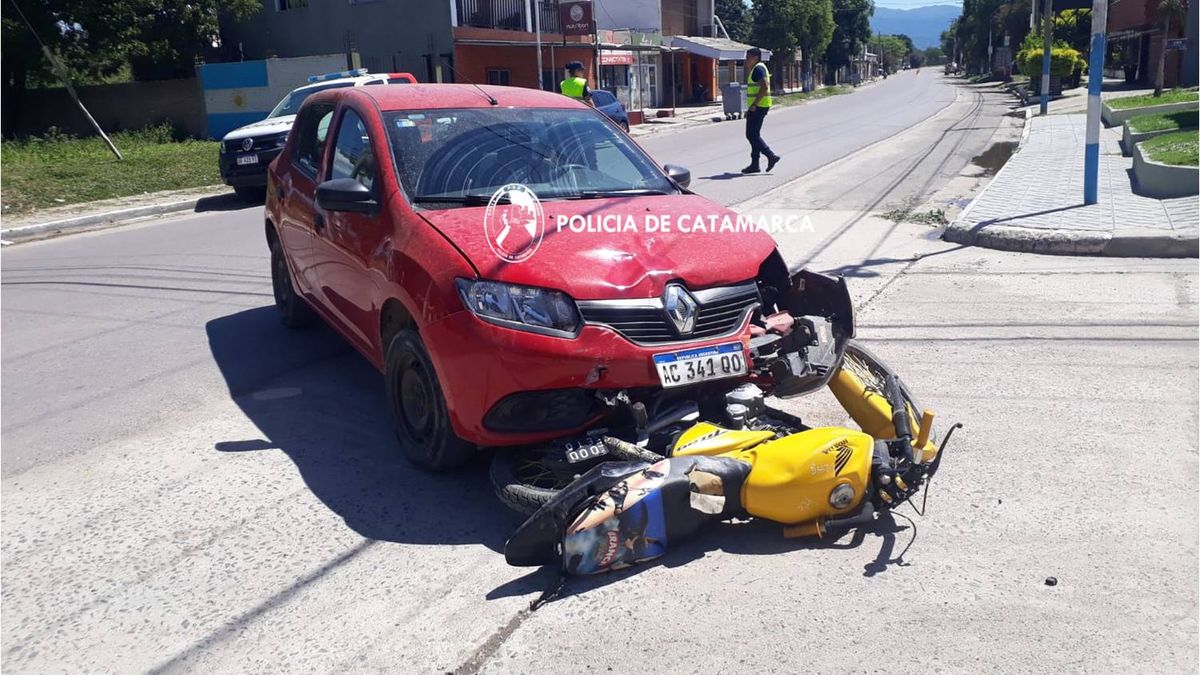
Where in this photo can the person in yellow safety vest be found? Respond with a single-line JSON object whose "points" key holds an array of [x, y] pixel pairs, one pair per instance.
{"points": [[575, 85], [758, 100]]}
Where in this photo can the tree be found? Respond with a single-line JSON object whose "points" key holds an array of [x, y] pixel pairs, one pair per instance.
{"points": [[892, 51], [815, 30], [1168, 11], [851, 30], [94, 39], [737, 18], [934, 56]]}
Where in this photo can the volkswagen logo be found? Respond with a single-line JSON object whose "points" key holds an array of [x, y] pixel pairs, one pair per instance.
{"points": [[681, 308], [247, 143]]}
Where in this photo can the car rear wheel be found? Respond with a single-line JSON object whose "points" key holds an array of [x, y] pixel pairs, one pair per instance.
{"points": [[293, 309], [418, 408], [251, 195]]}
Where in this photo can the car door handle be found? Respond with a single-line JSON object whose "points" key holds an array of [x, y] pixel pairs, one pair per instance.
{"points": [[319, 222]]}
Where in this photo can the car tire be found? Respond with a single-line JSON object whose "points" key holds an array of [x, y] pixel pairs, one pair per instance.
{"points": [[251, 195], [293, 309], [419, 413]]}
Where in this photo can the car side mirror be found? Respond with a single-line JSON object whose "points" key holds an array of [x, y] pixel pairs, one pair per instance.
{"points": [[345, 194], [680, 175]]}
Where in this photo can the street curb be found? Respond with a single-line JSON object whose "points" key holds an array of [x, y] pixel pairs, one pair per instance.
{"points": [[1130, 243], [108, 218]]}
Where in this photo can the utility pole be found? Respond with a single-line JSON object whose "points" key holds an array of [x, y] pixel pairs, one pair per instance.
{"points": [[1091, 151], [1047, 43], [537, 29]]}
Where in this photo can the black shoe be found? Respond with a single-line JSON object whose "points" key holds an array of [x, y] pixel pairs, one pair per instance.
{"points": [[753, 168], [771, 162]]}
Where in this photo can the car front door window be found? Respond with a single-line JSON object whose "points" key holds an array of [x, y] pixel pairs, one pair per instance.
{"points": [[313, 129], [352, 154]]}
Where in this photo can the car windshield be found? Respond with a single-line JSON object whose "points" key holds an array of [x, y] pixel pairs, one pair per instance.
{"points": [[290, 105], [453, 157]]}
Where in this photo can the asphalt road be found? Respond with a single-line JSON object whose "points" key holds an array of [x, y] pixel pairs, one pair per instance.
{"points": [[807, 136], [187, 485]]}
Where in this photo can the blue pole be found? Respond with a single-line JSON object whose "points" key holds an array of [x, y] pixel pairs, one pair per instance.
{"points": [[1047, 42], [1091, 151]]}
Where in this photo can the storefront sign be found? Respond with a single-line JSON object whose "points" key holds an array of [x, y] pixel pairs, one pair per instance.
{"points": [[576, 17], [616, 58], [1177, 43]]}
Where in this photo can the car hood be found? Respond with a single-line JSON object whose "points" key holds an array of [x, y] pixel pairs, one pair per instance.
{"points": [[633, 263], [271, 125]]}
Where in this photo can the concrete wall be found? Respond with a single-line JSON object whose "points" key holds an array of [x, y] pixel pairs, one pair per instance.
{"points": [[390, 35], [117, 107], [242, 92]]}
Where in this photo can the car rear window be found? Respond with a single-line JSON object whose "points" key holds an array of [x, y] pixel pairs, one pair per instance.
{"points": [[557, 153], [290, 105], [602, 98]]}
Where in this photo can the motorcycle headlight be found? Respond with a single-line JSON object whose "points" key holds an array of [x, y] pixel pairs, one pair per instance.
{"points": [[537, 310]]}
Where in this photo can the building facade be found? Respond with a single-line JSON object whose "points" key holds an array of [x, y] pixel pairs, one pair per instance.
{"points": [[1135, 35]]}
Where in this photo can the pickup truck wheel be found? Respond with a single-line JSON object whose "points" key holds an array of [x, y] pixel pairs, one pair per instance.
{"points": [[418, 408], [293, 310]]}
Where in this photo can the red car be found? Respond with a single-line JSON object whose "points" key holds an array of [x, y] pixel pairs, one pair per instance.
{"points": [[404, 217]]}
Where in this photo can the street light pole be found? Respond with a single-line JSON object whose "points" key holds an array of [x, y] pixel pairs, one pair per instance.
{"points": [[1091, 151]]}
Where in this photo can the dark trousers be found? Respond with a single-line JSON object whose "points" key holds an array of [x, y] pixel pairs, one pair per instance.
{"points": [[754, 122]]}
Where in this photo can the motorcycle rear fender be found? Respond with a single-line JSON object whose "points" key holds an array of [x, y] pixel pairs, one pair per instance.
{"points": [[536, 541]]}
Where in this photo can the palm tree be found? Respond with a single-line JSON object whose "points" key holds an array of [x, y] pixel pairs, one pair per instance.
{"points": [[1167, 11]]}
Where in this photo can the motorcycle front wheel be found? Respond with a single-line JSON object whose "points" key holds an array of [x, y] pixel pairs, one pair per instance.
{"points": [[872, 371]]}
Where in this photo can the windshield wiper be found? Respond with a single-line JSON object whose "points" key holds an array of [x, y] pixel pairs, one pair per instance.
{"points": [[468, 200], [603, 194]]}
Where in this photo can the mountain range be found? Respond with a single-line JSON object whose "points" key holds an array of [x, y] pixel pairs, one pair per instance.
{"points": [[924, 25]]}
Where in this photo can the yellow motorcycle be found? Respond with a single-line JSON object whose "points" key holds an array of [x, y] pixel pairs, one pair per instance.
{"points": [[758, 463]]}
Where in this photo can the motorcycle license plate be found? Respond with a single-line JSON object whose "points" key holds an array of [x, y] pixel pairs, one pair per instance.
{"points": [[676, 369], [247, 159]]}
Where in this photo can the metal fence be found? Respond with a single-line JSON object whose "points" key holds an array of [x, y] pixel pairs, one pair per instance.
{"points": [[505, 14]]}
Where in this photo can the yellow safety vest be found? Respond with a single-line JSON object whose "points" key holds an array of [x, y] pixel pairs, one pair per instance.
{"points": [[752, 87], [573, 87]]}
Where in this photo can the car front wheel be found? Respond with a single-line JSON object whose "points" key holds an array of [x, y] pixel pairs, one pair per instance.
{"points": [[418, 408]]}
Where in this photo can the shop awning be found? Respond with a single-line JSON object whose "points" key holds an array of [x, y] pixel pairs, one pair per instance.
{"points": [[719, 49]]}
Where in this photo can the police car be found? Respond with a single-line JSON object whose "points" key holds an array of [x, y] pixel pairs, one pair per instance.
{"points": [[246, 151]]}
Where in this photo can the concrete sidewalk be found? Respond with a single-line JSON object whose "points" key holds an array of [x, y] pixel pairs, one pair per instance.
{"points": [[1035, 203]]}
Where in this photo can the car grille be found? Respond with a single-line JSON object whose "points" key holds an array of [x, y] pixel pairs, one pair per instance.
{"points": [[260, 143], [719, 312]]}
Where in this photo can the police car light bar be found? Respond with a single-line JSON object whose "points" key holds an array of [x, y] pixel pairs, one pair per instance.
{"points": [[358, 72]]}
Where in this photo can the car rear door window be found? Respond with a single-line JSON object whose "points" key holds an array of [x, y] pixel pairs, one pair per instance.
{"points": [[602, 98], [352, 153], [311, 128]]}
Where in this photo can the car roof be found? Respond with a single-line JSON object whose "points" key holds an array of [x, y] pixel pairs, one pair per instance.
{"points": [[435, 96]]}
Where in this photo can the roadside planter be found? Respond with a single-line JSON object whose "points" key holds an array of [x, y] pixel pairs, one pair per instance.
{"points": [[1163, 181], [1114, 117], [1145, 127]]}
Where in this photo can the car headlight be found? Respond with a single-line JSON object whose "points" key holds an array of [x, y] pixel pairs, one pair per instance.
{"points": [[281, 140], [537, 310]]}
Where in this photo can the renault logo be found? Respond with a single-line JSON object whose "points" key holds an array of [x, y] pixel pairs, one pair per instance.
{"points": [[247, 143], [681, 308]]}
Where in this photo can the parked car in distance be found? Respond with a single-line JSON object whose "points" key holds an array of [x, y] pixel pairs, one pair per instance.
{"points": [[246, 151], [611, 106], [376, 219]]}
